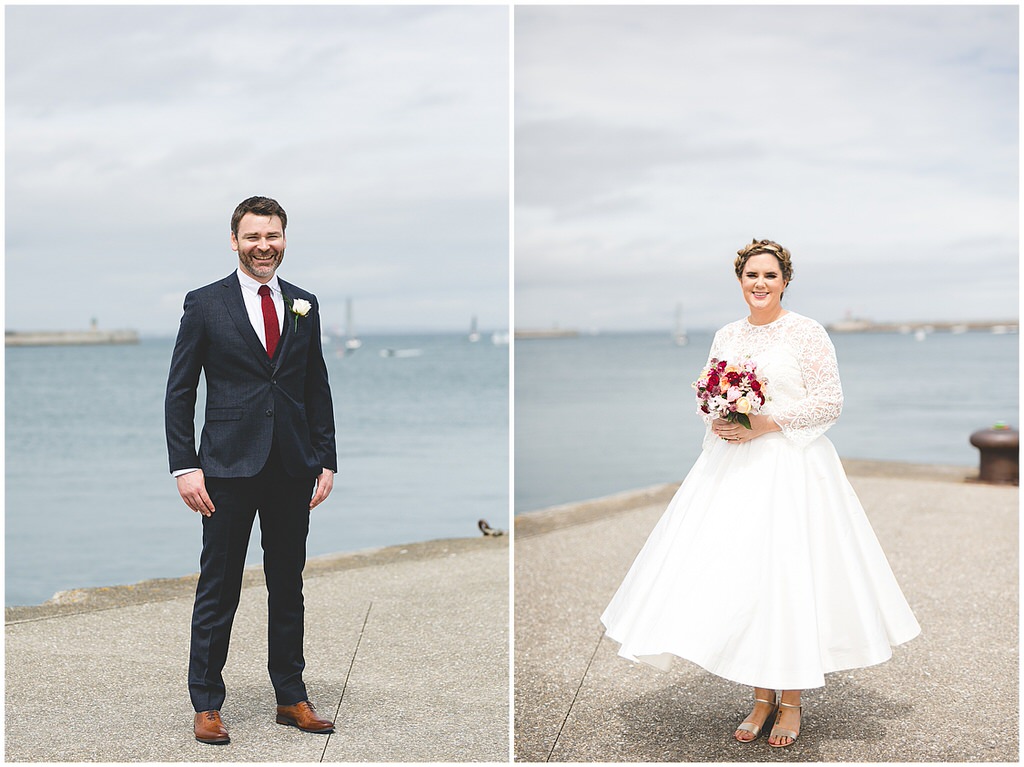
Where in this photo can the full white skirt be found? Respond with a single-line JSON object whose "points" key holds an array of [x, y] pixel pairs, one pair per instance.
{"points": [[763, 570]]}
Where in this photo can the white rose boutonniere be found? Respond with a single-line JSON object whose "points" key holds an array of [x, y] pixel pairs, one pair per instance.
{"points": [[299, 307]]}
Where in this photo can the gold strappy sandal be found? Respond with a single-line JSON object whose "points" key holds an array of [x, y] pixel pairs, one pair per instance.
{"points": [[755, 728], [781, 731]]}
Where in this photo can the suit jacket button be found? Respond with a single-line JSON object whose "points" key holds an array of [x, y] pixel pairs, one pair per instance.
{"points": [[270, 412]]}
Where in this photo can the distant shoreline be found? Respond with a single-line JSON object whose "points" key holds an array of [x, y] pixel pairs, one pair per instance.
{"points": [[94, 598], [852, 325], [544, 519], [21, 336]]}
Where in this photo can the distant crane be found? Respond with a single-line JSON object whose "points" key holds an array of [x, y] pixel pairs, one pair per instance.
{"points": [[679, 334]]}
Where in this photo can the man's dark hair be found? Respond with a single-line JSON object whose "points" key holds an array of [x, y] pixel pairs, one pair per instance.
{"points": [[261, 206]]}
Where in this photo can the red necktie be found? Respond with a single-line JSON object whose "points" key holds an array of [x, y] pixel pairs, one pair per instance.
{"points": [[270, 325]]}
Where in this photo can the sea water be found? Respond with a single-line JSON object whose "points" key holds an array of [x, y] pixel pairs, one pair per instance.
{"points": [[602, 414], [423, 438], [422, 447]]}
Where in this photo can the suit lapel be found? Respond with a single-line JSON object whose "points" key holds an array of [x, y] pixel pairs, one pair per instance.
{"points": [[239, 316], [286, 336], [288, 291]]}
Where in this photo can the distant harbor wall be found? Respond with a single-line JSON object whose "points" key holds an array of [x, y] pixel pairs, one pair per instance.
{"points": [[553, 333], [867, 326], [70, 338]]}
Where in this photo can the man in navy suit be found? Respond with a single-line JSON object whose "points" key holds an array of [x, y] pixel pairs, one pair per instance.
{"points": [[267, 447]]}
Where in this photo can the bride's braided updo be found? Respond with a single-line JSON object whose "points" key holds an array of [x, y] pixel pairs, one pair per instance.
{"points": [[756, 248]]}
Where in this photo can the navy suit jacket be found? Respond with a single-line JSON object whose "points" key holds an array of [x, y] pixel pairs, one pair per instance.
{"points": [[251, 399]]}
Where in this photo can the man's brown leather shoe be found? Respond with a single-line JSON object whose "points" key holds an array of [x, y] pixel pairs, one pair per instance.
{"points": [[210, 729], [305, 717]]}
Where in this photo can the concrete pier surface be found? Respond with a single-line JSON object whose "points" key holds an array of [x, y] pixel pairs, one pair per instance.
{"points": [[406, 648], [951, 694]]}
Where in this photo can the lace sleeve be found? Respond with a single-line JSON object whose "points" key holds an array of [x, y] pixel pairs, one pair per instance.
{"points": [[807, 419]]}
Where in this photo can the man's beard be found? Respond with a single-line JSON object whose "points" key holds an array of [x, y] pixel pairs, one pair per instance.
{"points": [[261, 269]]}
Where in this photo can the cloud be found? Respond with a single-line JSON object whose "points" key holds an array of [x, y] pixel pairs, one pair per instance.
{"points": [[133, 131], [651, 142], [576, 166]]}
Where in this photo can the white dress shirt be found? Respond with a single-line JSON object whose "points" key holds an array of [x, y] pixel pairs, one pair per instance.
{"points": [[254, 303]]}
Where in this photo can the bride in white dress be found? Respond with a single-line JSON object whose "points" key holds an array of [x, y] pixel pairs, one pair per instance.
{"points": [[764, 569]]}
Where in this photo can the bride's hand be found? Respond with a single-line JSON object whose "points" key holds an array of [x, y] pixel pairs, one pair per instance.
{"points": [[735, 433]]}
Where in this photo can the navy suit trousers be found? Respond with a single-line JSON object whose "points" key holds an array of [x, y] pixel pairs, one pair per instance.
{"points": [[282, 503]]}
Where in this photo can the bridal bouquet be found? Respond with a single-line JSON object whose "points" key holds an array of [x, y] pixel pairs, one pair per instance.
{"points": [[730, 391]]}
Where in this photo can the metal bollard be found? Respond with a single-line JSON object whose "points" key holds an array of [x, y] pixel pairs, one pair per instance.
{"points": [[1000, 454]]}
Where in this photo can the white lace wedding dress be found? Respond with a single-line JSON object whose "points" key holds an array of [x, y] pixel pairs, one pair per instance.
{"points": [[764, 568]]}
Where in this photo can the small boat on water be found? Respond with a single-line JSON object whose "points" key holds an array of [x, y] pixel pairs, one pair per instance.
{"points": [[401, 352], [345, 342], [474, 334], [352, 341]]}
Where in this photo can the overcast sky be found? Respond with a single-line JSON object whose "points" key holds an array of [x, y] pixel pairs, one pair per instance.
{"points": [[133, 131], [879, 144]]}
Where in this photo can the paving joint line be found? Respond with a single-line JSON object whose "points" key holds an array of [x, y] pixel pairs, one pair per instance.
{"points": [[348, 675], [576, 695]]}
